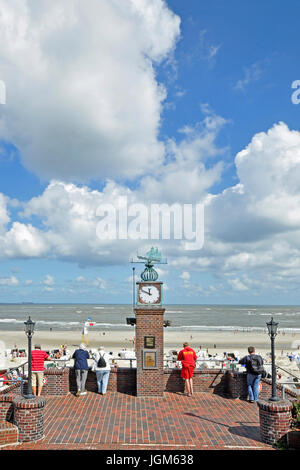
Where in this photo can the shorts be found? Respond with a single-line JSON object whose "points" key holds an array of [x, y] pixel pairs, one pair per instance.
{"points": [[37, 378], [187, 372]]}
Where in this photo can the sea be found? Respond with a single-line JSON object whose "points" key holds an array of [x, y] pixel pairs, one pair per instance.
{"points": [[62, 317]]}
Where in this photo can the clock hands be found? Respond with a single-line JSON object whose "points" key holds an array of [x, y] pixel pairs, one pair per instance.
{"points": [[149, 293]]}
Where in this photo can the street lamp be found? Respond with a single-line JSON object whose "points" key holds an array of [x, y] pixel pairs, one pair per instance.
{"points": [[29, 329], [272, 331]]}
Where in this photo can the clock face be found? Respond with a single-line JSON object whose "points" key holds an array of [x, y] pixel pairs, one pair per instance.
{"points": [[149, 294]]}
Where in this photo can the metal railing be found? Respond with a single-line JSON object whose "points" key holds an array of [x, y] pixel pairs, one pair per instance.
{"points": [[283, 389], [20, 378], [116, 359], [288, 372], [17, 368], [210, 360]]}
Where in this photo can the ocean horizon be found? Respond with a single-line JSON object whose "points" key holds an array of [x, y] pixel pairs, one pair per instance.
{"points": [[197, 317]]}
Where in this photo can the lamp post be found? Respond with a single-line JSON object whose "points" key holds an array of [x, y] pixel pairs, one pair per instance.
{"points": [[133, 288], [272, 331], [29, 329]]}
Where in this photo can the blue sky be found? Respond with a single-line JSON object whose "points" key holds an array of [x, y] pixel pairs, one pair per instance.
{"points": [[158, 101]]}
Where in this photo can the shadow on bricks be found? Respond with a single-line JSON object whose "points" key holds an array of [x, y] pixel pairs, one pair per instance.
{"points": [[243, 430]]}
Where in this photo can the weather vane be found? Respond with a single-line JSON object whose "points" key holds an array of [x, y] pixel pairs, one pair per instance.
{"points": [[152, 257]]}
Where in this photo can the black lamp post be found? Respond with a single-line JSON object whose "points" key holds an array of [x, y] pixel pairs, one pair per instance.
{"points": [[29, 329], [133, 288], [272, 330]]}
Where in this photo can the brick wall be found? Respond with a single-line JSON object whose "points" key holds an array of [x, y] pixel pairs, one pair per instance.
{"points": [[150, 322], [62, 381], [210, 381], [121, 379]]}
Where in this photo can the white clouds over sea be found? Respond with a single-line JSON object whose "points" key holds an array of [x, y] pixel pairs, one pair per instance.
{"points": [[85, 104]]}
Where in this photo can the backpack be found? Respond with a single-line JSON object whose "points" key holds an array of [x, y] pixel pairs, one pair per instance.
{"points": [[255, 367], [101, 362]]}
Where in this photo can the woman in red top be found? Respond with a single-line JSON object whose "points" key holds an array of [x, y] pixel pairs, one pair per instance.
{"points": [[188, 358]]}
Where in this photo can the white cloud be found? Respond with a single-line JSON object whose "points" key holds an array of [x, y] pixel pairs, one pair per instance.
{"points": [[9, 281], [185, 275], [100, 283], [185, 176], [237, 284], [49, 280], [48, 289], [4, 216], [83, 98], [23, 241], [251, 228]]}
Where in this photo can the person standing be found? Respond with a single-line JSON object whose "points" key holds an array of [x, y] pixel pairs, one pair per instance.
{"points": [[37, 369], [188, 358], [81, 367], [102, 369], [255, 369]]}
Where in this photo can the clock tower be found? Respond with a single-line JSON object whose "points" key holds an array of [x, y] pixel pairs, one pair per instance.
{"points": [[150, 329]]}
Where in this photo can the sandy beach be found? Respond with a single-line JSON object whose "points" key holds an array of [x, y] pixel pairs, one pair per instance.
{"points": [[214, 341]]}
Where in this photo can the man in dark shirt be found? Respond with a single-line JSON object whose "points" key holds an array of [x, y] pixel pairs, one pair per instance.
{"points": [[253, 363], [81, 368]]}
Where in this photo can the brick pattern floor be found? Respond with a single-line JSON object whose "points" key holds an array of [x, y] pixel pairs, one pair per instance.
{"points": [[124, 422]]}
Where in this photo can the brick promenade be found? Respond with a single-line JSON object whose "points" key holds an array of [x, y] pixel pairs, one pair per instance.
{"points": [[119, 421]]}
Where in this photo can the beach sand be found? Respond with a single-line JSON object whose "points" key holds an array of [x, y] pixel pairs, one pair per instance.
{"points": [[214, 341]]}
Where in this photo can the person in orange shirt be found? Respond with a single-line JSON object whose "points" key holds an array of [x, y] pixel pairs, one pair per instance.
{"points": [[188, 358]]}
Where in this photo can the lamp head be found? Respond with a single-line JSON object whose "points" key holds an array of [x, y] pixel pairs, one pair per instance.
{"points": [[272, 327], [29, 327]]}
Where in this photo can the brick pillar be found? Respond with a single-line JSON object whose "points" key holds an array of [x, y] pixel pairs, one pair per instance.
{"points": [[150, 377], [28, 417], [6, 407], [57, 382], [274, 418]]}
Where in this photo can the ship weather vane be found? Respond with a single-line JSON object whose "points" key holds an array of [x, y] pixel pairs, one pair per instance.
{"points": [[153, 256]]}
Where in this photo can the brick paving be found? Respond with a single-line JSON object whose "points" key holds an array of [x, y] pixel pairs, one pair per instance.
{"points": [[124, 422]]}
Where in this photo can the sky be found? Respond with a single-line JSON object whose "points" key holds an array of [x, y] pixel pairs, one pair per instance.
{"points": [[113, 107]]}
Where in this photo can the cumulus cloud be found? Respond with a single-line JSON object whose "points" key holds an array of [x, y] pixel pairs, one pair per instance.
{"points": [[251, 229], [265, 202], [83, 99]]}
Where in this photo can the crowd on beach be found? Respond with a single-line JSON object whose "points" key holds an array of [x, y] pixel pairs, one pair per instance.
{"points": [[60, 353]]}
